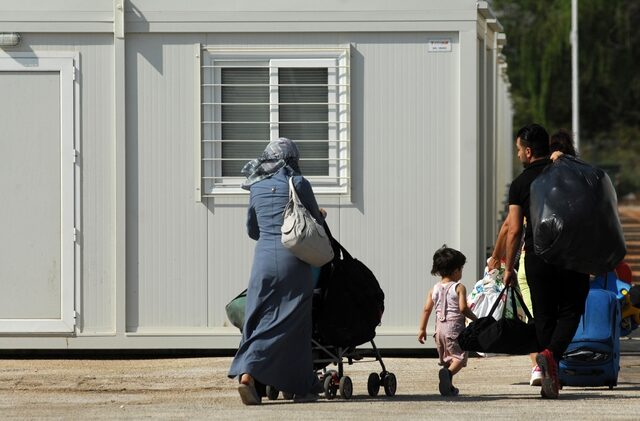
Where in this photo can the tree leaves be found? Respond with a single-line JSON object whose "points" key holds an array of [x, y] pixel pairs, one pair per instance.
{"points": [[539, 55]]}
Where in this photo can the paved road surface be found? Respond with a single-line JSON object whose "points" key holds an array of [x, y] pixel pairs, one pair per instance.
{"points": [[197, 388]]}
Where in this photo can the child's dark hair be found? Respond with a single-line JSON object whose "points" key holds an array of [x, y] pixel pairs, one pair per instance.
{"points": [[446, 260]]}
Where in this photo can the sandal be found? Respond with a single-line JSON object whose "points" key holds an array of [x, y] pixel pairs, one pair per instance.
{"points": [[249, 394]]}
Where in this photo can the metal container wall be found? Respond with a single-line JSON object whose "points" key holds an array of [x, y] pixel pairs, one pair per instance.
{"points": [[430, 159]]}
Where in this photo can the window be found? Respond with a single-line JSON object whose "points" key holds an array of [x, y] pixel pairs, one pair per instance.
{"points": [[252, 97]]}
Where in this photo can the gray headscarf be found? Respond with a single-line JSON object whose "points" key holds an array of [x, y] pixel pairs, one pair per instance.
{"points": [[278, 154]]}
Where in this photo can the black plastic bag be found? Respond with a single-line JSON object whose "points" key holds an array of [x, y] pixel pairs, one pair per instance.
{"points": [[503, 336], [351, 303], [574, 216]]}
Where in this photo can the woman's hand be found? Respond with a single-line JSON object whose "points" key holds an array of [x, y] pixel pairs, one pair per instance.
{"points": [[422, 335], [556, 155]]}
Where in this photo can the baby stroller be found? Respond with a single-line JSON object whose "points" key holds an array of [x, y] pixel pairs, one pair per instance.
{"points": [[335, 380], [348, 306]]}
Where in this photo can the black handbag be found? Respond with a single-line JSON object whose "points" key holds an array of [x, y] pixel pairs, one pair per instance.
{"points": [[503, 336]]}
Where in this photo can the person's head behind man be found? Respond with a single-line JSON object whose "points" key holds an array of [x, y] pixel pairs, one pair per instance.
{"points": [[532, 143], [562, 141]]}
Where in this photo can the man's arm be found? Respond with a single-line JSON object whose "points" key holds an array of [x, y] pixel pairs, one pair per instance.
{"points": [[514, 233], [500, 247]]}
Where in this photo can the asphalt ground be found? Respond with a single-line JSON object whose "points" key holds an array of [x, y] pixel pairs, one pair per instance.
{"points": [[43, 386]]}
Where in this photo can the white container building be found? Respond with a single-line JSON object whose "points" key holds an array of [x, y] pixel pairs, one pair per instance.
{"points": [[124, 124]]}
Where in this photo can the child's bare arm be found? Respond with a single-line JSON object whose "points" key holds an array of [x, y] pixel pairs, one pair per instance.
{"points": [[424, 318], [462, 302]]}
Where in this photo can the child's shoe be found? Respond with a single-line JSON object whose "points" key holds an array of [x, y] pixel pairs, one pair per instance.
{"points": [[445, 381], [454, 391], [536, 376], [550, 384]]}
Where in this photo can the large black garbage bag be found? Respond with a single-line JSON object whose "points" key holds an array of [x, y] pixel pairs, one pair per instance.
{"points": [[351, 303], [574, 216]]}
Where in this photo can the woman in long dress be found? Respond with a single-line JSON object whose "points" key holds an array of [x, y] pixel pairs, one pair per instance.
{"points": [[275, 348]]}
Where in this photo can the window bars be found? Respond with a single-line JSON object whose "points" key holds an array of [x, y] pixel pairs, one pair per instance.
{"points": [[249, 97]]}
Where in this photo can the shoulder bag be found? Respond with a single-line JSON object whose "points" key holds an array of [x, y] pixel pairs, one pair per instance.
{"points": [[302, 234]]}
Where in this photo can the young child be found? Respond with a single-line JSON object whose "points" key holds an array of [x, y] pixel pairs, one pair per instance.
{"points": [[449, 297]]}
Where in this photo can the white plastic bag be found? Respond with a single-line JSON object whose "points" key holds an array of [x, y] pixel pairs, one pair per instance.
{"points": [[484, 294]]}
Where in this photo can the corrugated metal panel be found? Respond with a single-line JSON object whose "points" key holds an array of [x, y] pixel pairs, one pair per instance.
{"points": [[230, 252], [488, 209], [166, 227], [405, 165], [97, 304], [504, 139], [294, 15]]}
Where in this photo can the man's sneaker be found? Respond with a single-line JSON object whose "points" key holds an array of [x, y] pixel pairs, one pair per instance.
{"points": [[445, 382], [536, 376], [550, 383]]}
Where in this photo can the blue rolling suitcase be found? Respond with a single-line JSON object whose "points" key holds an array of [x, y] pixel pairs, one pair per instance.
{"points": [[593, 357]]}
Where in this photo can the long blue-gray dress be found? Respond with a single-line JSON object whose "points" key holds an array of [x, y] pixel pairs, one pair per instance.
{"points": [[276, 339]]}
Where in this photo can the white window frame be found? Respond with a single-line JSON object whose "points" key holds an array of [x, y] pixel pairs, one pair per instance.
{"points": [[64, 64], [209, 182]]}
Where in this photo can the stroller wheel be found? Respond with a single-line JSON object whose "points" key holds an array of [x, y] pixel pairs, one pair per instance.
{"points": [[389, 383], [329, 388], [373, 384], [346, 387], [286, 395], [272, 393]]}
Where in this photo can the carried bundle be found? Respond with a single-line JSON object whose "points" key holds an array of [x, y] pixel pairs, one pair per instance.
{"points": [[486, 291], [574, 216]]}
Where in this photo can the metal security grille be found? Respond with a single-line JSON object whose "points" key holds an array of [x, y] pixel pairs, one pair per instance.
{"points": [[250, 97]]}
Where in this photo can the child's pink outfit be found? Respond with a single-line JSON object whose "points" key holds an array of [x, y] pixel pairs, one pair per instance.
{"points": [[449, 323]]}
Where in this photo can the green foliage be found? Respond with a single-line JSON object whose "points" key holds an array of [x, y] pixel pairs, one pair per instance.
{"points": [[539, 56], [617, 152]]}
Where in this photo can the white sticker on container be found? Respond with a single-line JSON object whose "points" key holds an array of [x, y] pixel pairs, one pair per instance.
{"points": [[439, 45]]}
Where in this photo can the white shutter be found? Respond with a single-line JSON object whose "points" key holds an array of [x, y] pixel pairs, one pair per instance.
{"points": [[244, 121], [254, 96], [304, 113]]}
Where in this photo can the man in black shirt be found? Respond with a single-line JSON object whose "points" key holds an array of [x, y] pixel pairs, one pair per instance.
{"points": [[557, 295]]}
